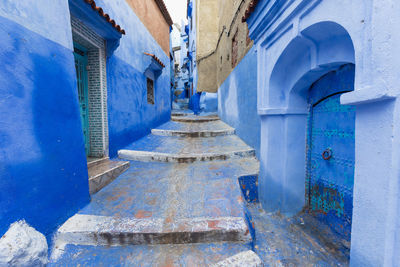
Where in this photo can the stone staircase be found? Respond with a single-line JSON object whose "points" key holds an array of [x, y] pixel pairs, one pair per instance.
{"points": [[179, 198], [181, 104], [103, 171]]}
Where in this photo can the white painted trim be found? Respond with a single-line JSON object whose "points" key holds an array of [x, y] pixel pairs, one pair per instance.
{"points": [[282, 111]]}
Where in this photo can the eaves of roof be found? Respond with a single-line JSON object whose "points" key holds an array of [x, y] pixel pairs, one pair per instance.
{"points": [[99, 10]]}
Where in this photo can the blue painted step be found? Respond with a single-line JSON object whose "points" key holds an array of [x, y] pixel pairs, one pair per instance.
{"points": [[185, 150]]}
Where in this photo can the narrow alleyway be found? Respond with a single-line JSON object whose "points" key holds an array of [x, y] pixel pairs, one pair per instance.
{"points": [[180, 204]]}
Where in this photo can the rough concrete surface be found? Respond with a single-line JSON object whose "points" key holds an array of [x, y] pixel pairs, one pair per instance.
{"points": [[189, 129], [247, 258], [22, 245], [186, 150], [190, 214]]}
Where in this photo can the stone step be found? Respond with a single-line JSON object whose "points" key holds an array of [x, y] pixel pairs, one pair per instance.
{"points": [[209, 129], [91, 162], [104, 172], [184, 112], [183, 100], [194, 118], [154, 148], [164, 203], [246, 258], [115, 231], [155, 255]]}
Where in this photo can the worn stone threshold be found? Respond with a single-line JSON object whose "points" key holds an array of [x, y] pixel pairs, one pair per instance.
{"points": [[84, 229], [182, 133], [102, 174], [190, 118], [148, 156]]}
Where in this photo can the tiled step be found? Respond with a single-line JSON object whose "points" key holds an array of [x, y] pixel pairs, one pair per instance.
{"points": [[194, 118], [164, 203], [185, 150], [181, 129], [104, 172]]}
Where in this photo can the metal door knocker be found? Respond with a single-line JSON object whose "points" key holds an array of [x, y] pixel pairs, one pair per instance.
{"points": [[327, 154]]}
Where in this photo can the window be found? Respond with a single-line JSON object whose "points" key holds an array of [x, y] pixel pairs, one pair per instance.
{"points": [[150, 91]]}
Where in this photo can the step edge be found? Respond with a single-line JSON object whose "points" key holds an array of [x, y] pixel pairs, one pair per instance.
{"points": [[148, 156], [160, 132], [187, 119], [97, 162], [124, 163], [107, 230]]}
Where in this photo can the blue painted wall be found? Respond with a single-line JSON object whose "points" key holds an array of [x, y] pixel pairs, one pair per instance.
{"points": [[297, 42], [130, 116], [43, 173], [237, 100]]}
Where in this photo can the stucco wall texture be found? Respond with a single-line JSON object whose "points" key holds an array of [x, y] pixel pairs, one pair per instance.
{"points": [[152, 18], [43, 172], [223, 20], [43, 168], [299, 41], [237, 101], [206, 42]]}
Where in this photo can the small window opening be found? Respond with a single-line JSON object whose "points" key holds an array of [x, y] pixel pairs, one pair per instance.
{"points": [[150, 91]]}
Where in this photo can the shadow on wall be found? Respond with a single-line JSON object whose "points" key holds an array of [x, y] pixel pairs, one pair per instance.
{"points": [[237, 101], [130, 115], [209, 102], [43, 176]]}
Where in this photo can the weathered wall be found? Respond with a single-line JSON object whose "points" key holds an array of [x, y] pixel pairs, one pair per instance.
{"points": [[214, 48], [299, 41], [230, 21], [130, 116], [152, 18], [206, 42], [43, 173], [237, 101]]}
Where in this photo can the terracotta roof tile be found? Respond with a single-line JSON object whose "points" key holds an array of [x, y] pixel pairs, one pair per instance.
{"points": [[249, 10], [92, 3], [155, 58], [164, 11]]}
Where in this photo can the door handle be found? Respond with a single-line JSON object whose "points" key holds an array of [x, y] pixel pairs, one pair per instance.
{"points": [[327, 154]]}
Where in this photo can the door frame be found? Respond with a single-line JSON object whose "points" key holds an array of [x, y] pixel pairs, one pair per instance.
{"points": [[85, 123]]}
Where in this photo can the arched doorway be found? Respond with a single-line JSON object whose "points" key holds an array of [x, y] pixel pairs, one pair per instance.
{"points": [[309, 76], [330, 151]]}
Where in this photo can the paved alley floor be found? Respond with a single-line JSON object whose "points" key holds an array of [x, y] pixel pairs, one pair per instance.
{"points": [[180, 204]]}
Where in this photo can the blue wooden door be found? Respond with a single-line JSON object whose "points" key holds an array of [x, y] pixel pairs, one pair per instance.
{"points": [[80, 54], [331, 151]]}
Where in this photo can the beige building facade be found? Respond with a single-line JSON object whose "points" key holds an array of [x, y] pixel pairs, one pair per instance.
{"points": [[222, 40]]}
